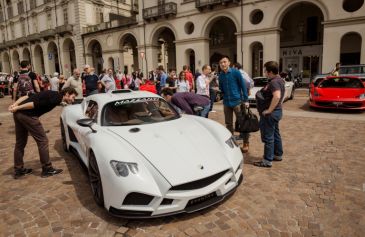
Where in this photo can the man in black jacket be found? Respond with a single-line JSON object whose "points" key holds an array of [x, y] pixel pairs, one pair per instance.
{"points": [[26, 112]]}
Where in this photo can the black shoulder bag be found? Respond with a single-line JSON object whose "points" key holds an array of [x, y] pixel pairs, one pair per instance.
{"points": [[247, 122]]}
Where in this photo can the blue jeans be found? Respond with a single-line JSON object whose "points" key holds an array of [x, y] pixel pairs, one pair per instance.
{"points": [[204, 113], [270, 134]]}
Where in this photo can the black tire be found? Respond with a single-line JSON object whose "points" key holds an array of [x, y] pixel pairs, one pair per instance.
{"points": [[95, 180], [292, 94], [63, 135]]}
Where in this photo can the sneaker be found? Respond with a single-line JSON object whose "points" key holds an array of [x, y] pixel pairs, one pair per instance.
{"points": [[278, 158], [263, 163], [22, 172], [50, 171]]}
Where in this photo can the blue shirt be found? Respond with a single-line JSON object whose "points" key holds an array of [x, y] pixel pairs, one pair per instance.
{"points": [[163, 79], [233, 87]]}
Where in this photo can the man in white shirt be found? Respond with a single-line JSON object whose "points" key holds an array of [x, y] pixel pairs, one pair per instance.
{"points": [[75, 82], [108, 81], [54, 82], [203, 81]]}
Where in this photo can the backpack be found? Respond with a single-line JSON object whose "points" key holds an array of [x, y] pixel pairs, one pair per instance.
{"points": [[25, 85]]}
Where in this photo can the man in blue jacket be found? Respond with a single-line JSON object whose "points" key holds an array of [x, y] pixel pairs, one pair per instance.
{"points": [[233, 86]]}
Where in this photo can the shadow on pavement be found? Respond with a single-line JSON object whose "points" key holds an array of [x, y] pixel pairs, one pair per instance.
{"points": [[80, 180]]}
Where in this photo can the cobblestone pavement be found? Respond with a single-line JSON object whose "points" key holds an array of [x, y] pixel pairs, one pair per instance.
{"points": [[317, 190]]}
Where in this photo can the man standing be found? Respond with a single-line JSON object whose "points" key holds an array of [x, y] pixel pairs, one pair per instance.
{"points": [[187, 102], [54, 82], [27, 84], [162, 78], [108, 81], [75, 82], [91, 81], [270, 110], [234, 90], [336, 71], [26, 112]]}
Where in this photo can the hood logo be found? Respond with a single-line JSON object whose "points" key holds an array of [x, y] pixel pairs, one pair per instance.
{"points": [[201, 167]]}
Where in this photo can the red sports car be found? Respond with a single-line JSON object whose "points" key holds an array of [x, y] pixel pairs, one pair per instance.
{"points": [[343, 92]]}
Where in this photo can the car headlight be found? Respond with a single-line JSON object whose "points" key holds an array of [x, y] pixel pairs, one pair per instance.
{"points": [[231, 142], [361, 97], [124, 168]]}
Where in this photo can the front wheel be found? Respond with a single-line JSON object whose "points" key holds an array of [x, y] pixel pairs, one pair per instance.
{"points": [[63, 135], [95, 180]]}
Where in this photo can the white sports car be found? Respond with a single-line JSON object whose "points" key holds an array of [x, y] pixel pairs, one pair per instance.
{"points": [[146, 160], [260, 82]]}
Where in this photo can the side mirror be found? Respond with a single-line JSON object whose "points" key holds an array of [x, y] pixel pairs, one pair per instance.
{"points": [[86, 122]]}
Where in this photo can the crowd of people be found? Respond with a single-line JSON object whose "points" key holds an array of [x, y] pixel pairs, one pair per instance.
{"points": [[187, 93]]}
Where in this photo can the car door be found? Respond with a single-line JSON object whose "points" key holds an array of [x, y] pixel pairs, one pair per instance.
{"points": [[91, 111]]}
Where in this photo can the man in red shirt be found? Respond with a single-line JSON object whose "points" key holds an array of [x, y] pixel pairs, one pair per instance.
{"points": [[189, 77]]}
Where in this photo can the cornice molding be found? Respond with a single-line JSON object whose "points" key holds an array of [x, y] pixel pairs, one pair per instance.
{"points": [[191, 40], [259, 31], [343, 22]]}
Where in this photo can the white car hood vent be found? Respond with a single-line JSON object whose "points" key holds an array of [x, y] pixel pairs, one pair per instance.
{"points": [[182, 150], [199, 183]]}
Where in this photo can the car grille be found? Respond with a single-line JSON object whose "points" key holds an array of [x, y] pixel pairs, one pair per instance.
{"points": [[199, 183], [343, 105]]}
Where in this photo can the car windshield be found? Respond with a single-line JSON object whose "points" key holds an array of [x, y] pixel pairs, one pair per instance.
{"points": [[341, 82], [352, 69], [137, 111], [260, 82], [317, 80]]}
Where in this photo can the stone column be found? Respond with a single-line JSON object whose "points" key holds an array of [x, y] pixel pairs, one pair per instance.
{"points": [[201, 50], [151, 57], [331, 48], [271, 46]]}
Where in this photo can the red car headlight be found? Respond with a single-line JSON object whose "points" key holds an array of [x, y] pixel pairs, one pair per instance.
{"points": [[361, 96]]}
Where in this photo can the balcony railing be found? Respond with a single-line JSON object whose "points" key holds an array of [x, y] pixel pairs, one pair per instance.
{"points": [[201, 4], [47, 33], [110, 24], [163, 10], [64, 29]]}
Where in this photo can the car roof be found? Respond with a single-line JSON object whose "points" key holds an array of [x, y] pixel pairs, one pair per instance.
{"points": [[343, 76], [104, 98], [353, 65]]}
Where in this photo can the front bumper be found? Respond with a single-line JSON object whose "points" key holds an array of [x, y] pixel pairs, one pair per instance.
{"points": [[186, 201], [338, 104]]}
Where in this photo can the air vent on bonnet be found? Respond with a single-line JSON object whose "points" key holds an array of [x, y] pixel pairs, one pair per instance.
{"points": [[121, 91]]}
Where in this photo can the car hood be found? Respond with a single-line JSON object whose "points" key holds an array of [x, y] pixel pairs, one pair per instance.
{"points": [[182, 150], [340, 93], [254, 90]]}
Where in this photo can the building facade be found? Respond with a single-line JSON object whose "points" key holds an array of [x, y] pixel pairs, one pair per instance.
{"points": [[308, 36], [48, 33]]}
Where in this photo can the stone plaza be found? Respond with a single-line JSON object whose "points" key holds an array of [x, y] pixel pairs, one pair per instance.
{"points": [[317, 190]]}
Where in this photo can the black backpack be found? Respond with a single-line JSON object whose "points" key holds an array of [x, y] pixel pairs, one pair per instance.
{"points": [[25, 85]]}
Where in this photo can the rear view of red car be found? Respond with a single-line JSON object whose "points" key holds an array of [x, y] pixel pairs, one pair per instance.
{"points": [[343, 92]]}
